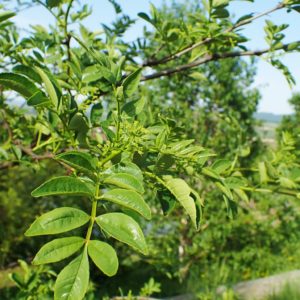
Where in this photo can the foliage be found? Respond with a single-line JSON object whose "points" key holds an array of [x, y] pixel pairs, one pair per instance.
{"points": [[290, 123], [288, 292], [31, 283], [86, 109]]}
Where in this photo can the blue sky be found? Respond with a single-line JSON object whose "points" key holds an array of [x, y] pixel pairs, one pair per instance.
{"points": [[274, 89]]}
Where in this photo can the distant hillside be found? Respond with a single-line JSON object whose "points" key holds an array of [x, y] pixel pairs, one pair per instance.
{"points": [[268, 117]]}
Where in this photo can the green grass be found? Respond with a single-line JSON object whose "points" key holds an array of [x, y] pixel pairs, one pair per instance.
{"points": [[289, 292]]}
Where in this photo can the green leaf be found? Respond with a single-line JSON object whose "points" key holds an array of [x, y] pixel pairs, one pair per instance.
{"points": [[211, 173], [181, 145], [5, 15], [58, 249], [92, 77], [220, 13], [48, 86], [241, 194], [262, 170], [18, 83], [161, 138], [104, 256], [128, 167], [145, 17], [79, 123], [53, 3], [130, 83], [244, 18], [64, 185], [167, 201], [57, 221], [225, 190], [296, 8], [133, 108], [116, 6], [18, 280], [107, 74], [235, 182], [124, 229], [231, 206], [28, 72], [96, 114], [182, 192], [38, 100], [271, 171], [72, 282], [79, 160], [129, 199], [220, 3], [164, 162], [126, 181], [220, 166], [287, 182]]}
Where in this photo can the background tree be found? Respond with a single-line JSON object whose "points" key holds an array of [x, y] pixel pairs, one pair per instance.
{"points": [[89, 108], [290, 123]]}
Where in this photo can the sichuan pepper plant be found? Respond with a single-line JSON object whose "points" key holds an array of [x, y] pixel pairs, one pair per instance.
{"points": [[91, 112]]}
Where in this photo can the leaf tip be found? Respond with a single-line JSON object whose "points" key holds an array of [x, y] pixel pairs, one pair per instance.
{"points": [[28, 232]]}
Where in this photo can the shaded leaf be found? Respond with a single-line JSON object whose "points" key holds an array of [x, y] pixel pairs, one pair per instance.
{"points": [[167, 201], [18, 83], [81, 161], [28, 72], [38, 100], [130, 83], [96, 114], [5, 15], [135, 107]]}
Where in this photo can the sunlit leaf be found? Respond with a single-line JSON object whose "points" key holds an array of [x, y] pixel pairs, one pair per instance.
{"points": [[126, 181], [72, 281], [123, 228], [58, 249], [63, 185], [57, 221], [128, 199], [104, 256]]}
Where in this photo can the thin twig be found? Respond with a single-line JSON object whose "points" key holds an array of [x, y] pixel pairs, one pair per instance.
{"points": [[208, 58], [177, 55]]}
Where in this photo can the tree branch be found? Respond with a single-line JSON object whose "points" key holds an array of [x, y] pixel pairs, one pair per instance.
{"points": [[177, 55], [211, 57]]}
